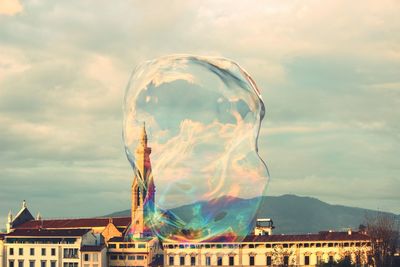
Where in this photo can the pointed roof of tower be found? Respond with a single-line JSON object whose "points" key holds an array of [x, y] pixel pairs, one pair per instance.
{"points": [[10, 217], [143, 136], [24, 215]]}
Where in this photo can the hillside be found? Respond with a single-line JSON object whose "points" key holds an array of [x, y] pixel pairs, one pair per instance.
{"points": [[290, 213]]}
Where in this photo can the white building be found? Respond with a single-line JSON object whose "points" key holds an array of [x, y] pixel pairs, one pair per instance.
{"points": [[2, 252], [94, 256], [46, 248], [272, 250]]}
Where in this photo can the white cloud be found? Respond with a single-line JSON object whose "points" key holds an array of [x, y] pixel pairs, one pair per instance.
{"points": [[10, 7], [63, 68]]}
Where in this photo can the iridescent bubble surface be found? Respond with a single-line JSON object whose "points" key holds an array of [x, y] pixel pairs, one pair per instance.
{"points": [[202, 116]]}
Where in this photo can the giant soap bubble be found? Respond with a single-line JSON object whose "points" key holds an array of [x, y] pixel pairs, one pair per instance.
{"points": [[201, 116]]}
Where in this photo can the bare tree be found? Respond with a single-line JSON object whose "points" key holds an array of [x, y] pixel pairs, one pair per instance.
{"points": [[383, 229]]}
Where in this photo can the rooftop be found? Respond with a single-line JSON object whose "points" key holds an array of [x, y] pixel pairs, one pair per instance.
{"points": [[47, 233], [92, 248], [318, 237], [75, 223], [321, 236]]}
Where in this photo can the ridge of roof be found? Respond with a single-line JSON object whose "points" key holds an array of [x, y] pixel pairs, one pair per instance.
{"points": [[47, 232], [74, 223], [92, 248]]}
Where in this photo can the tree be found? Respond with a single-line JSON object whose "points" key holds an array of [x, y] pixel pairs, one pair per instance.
{"points": [[346, 262], [383, 229]]}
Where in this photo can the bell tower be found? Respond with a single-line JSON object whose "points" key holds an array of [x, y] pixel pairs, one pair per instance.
{"points": [[142, 188]]}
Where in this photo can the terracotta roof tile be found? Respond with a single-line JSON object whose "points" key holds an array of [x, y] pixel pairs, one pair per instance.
{"points": [[117, 239], [47, 233], [92, 248], [74, 223], [322, 236]]}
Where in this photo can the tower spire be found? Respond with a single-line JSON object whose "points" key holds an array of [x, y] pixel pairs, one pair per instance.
{"points": [[142, 186], [10, 217], [143, 137]]}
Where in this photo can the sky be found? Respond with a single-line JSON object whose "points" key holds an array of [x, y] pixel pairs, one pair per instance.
{"points": [[328, 72]]}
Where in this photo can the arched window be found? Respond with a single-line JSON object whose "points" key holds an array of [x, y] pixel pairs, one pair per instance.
{"points": [[138, 196]]}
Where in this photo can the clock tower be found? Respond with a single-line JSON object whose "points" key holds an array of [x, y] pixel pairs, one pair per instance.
{"points": [[143, 188]]}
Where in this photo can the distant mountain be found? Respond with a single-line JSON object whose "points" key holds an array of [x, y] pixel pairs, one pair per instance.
{"points": [[290, 213]]}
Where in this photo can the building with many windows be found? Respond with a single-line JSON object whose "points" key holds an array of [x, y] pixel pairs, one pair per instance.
{"points": [[46, 248], [94, 255], [2, 253], [128, 241], [272, 250]]}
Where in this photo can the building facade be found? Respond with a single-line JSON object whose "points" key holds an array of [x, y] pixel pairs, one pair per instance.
{"points": [[94, 255], [272, 250], [46, 248], [128, 241], [2, 252]]}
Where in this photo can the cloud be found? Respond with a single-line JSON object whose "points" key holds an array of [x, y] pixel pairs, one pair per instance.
{"points": [[328, 74], [10, 7]]}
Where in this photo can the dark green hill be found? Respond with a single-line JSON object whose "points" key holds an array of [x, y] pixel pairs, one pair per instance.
{"points": [[290, 213]]}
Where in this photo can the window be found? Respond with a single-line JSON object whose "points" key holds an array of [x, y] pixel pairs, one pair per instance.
{"points": [[251, 246], [113, 257], [95, 257], [267, 245], [122, 245], [131, 257], [31, 263], [269, 261], [10, 263], [208, 260], [142, 246], [131, 245], [330, 259], [70, 264], [182, 260], [42, 263], [20, 263], [86, 257], [53, 252], [140, 257], [192, 261], [32, 251], [171, 260], [121, 257], [112, 246], [251, 260], [231, 260], [53, 264], [20, 251], [43, 252], [286, 260], [70, 253], [12, 252], [318, 259], [219, 261], [306, 260]]}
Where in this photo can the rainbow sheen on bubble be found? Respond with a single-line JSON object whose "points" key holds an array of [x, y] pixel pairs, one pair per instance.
{"points": [[202, 117]]}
